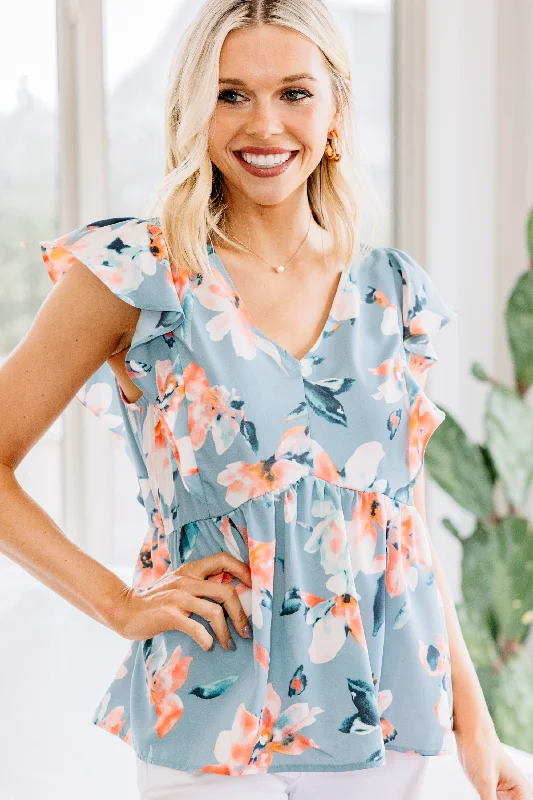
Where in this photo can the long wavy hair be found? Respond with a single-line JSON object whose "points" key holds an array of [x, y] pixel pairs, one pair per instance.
{"points": [[189, 204]]}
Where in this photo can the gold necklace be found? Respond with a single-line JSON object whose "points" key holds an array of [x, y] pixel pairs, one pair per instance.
{"points": [[280, 267]]}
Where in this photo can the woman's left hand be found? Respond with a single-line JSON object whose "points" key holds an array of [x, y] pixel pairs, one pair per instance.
{"points": [[488, 766]]}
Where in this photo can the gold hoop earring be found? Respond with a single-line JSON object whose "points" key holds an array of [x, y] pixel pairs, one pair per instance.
{"points": [[332, 152]]}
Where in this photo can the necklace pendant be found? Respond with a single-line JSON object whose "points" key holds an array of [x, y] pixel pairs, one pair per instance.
{"points": [[280, 268]]}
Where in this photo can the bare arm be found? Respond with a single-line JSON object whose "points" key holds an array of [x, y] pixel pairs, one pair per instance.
{"points": [[79, 326], [32, 539]]}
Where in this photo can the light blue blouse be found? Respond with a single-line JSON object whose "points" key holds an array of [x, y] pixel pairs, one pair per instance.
{"points": [[302, 468]]}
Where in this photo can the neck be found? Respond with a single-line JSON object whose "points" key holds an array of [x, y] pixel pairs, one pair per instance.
{"points": [[276, 236]]}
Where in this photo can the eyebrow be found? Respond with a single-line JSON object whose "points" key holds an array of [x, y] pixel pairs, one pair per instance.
{"points": [[288, 79]]}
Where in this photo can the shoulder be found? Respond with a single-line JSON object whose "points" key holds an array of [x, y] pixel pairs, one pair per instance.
{"points": [[128, 254]]}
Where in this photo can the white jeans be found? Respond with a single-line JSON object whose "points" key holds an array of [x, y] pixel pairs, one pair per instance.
{"points": [[403, 777]]}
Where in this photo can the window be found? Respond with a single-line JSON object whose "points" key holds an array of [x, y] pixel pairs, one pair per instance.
{"points": [[29, 206]]}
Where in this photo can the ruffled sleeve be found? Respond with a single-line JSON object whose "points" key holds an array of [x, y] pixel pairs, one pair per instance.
{"points": [[423, 311], [130, 257]]}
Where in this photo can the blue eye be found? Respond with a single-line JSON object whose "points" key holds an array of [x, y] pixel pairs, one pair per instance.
{"points": [[298, 91], [224, 96]]}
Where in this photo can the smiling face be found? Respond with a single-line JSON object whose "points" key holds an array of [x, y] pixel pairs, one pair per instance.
{"points": [[260, 111]]}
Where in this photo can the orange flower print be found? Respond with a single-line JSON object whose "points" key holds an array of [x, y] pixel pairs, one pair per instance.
{"points": [[436, 658], [436, 661], [418, 364], [329, 539], [115, 270], [114, 720], [298, 682], [165, 455], [419, 319], [249, 746], [261, 656], [359, 471], [389, 321], [393, 422], [245, 480], [226, 528], [388, 730], [347, 303], [407, 548], [170, 386], [392, 389], [165, 677], [424, 418], [153, 560], [177, 278], [213, 409], [332, 619], [216, 294], [369, 515], [262, 571], [290, 505]]}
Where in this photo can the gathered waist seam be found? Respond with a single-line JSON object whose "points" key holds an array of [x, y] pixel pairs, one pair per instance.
{"points": [[287, 486]]}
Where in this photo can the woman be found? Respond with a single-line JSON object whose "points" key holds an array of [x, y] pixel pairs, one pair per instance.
{"points": [[290, 624]]}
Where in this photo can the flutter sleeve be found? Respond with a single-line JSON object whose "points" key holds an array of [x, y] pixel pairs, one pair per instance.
{"points": [[423, 311], [129, 256]]}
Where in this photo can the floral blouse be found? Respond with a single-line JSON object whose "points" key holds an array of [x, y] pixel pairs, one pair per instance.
{"points": [[303, 469]]}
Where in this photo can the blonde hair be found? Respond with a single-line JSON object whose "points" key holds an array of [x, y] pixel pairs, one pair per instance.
{"points": [[189, 204]]}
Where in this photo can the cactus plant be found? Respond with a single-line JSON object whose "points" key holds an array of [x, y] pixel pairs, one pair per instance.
{"points": [[496, 611]]}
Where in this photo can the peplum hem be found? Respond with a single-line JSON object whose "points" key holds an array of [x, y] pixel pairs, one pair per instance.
{"points": [[162, 761], [349, 655]]}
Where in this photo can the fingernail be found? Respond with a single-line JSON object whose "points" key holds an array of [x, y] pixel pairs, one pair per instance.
{"points": [[231, 644], [247, 631]]}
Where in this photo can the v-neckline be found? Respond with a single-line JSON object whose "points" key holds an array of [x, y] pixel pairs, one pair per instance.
{"points": [[297, 362]]}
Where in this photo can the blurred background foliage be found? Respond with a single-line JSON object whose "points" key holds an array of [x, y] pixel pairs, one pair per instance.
{"points": [[492, 480]]}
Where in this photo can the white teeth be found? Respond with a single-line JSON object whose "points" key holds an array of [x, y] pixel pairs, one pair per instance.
{"points": [[266, 161]]}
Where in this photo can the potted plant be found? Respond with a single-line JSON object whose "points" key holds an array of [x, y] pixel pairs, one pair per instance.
{"points": [[492, 480]]}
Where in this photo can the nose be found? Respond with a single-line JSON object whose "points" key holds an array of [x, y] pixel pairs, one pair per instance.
{"points": [[262, 122]]}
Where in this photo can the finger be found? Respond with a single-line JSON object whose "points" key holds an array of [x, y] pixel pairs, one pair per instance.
{"points": [[221, 593], [177, 620], [212, 612], [218, 562]]}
